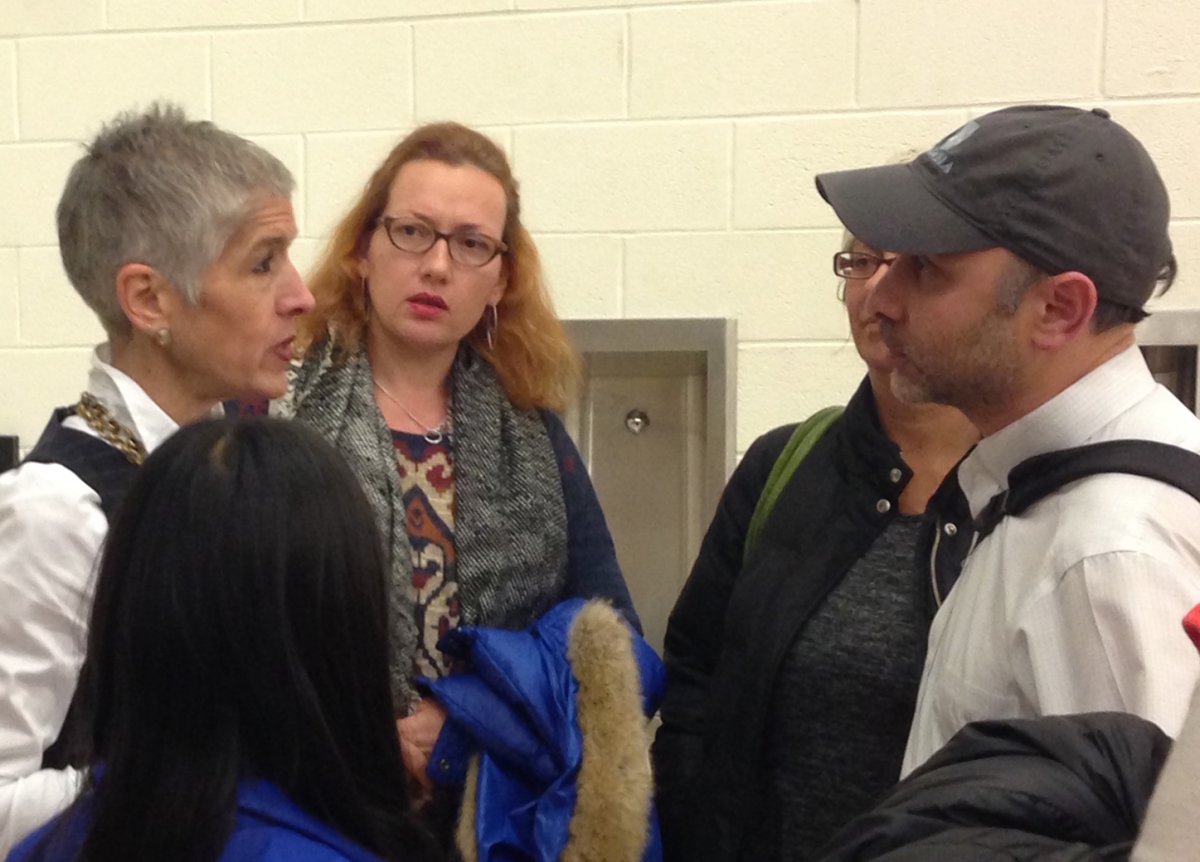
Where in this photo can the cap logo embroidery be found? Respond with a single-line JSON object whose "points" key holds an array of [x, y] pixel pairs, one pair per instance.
{"points": [[940, 155]]}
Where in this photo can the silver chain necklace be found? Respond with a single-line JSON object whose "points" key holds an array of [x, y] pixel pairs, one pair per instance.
{"points": [[433, 435]]}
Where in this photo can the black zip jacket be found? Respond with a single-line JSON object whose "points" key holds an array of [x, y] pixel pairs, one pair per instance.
{"points": [[733, 624]]}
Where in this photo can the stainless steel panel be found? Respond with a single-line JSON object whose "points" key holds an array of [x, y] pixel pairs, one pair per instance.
{"points": [[654, 423], [1170, 341]]}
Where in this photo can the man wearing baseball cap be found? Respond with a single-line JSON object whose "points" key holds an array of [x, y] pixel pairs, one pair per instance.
{"points": [[1029, 241]]}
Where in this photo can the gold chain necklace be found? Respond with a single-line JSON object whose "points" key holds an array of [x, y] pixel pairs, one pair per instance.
{"points": [[432, 435], [111, 431]]}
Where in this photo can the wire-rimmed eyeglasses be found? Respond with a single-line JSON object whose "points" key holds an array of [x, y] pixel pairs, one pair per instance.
{"points": [[858, 264], [466, 247]]}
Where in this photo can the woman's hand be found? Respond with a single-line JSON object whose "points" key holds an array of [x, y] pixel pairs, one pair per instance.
{"points": [[418, 734]]}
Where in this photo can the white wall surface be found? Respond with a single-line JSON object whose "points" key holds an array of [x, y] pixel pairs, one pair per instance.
{"points": [[666, 148]]}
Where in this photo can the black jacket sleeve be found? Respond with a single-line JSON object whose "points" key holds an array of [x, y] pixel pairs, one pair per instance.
{"points": [[592, 567], [1050, 789], [694, 631]]}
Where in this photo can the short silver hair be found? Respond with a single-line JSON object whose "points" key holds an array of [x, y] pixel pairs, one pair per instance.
{"points": [[157, 188]]}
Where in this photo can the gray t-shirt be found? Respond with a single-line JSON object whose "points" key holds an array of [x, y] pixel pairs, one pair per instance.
{"points": [[845, 696]]}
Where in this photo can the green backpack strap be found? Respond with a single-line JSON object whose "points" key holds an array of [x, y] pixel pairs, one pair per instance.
{"points": [[805, 436]]}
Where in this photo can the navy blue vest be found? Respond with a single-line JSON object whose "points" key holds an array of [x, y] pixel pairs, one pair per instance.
{"points": [[109, 473], [105, 470]]}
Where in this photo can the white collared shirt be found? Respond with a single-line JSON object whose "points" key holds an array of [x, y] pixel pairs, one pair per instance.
{"points": [[1074, 606], [51, 530]]}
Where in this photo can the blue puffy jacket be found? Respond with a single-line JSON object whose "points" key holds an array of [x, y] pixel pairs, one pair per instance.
{"points": [[546, 729], [269, 827]]}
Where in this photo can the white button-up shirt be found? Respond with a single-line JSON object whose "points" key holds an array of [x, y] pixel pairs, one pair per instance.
{"points": [[51, 530], [1075, 605]]}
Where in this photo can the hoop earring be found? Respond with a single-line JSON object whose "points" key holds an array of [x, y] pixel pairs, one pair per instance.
{"points": [[491, 327], [841, 291]]}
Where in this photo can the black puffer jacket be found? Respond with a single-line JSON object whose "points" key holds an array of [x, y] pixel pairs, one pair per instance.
{"points": [[1049, 789]]}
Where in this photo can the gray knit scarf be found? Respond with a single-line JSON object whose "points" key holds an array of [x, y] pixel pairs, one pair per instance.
{"points": [[510, 521]]}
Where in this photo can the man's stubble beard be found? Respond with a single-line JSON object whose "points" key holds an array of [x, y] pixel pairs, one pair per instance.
{"points": [[977, 372]]}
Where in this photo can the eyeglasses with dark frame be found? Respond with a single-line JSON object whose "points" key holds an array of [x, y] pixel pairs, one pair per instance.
{"points": [[466, 247], [858, 264]]}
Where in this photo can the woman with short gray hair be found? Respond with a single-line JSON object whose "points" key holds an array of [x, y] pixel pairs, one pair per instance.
{"points": [[176, 234]]}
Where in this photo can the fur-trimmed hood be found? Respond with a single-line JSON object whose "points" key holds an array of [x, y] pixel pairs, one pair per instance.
{"points": [[547, 731]]}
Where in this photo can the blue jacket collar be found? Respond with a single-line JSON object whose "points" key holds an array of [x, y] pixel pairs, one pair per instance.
{"points": [[264, 801]]}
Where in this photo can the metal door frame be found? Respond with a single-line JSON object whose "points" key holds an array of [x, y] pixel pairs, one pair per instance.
{"points": [[1173, 327]]}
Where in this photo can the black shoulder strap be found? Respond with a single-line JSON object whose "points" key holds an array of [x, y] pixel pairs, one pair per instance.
{"points": [[1036, 477], [805, 436]]}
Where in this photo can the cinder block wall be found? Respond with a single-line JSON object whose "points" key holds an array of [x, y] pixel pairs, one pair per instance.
{"points": [[666, 148]]}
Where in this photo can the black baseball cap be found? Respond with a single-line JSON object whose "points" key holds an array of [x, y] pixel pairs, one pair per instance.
{"points": [[1064, 188]]}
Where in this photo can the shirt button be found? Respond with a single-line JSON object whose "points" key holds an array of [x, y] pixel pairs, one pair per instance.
{"points": [[896, 475], [883, 507], [950, 529]]}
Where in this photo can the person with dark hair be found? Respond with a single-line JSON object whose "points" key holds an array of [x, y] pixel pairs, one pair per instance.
{"points": [[176, 234], [1028, 244], [435, 363], [238, 665], [793, 656]]}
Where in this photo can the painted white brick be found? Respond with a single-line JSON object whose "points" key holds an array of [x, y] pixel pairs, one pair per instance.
{"points": [[775, 160], [633, 218], [651, 176], [580, 4], [787, 383], [1150, 48], [778, 285], [69, 86], [289, 149], [304, 253], [341, 10], [338, 166], [312, 79], [52, 313], [742, 58], [10, 310], [502, 135], [8, 88], [521, 68], [27, 17], [1170, 131], [913, 52], [33, 381], [583, 273], [137, 14], [31, 180]]}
